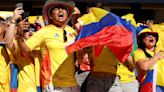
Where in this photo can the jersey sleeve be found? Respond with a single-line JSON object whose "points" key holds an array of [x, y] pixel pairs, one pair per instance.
{"points": [[36, 40], [139, 54]]}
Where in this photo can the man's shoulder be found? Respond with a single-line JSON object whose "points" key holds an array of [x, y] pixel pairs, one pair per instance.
{"points": [[70, 29], [48, 27]]}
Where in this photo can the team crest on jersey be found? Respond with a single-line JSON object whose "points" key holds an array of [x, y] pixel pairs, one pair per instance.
{"points": [[56, 35]]}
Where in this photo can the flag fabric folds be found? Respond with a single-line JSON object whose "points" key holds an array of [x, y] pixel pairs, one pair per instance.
{"points": [[147, 85], [102, 28], [130, 17], [154, 81]]}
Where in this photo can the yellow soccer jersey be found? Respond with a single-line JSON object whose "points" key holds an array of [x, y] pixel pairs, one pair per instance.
{"points": [[105, 62], [139, 54], [4, 71], [27, 75], [125, 74], [51, 40], [37, 64]]}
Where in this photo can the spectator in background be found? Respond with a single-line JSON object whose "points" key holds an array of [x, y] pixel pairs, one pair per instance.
{"points": [[149, 23], [4, 60], [28, 64], [39, 23]]}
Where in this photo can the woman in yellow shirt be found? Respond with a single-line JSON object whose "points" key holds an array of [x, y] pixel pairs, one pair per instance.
{"points": [[148, 59], [28, 64]]}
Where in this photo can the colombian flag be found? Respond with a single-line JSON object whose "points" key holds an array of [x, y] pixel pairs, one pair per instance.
{"points": [[102, 28], [154, 81], [130, 18]]}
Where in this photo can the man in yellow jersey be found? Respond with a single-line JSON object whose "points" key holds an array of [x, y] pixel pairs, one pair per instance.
{"points": [[108, 75], [103, 72], [28, 63], [4, 61], [104, 79], [57, 69]]}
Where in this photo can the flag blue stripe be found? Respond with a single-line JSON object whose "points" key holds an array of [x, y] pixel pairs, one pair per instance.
{"points": [[108, 20], [141, 27], [39, 89], [149, 76], [159, 88], [14, 73]]}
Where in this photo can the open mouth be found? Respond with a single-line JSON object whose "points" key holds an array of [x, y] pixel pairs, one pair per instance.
{"points": [[61, 15], [151, 40]]}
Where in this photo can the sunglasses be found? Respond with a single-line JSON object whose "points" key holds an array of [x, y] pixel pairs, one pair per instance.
{"points": [[65, 36], [147, 34], [30, 29]]}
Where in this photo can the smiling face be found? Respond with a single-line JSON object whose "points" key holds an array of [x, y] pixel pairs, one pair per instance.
{"points": [[59, 15], [149, 41]]}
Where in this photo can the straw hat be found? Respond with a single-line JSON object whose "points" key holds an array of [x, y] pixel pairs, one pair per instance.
{"points": [[50, 4]]}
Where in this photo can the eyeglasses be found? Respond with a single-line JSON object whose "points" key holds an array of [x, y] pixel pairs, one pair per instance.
{"points": [[65, 36]]}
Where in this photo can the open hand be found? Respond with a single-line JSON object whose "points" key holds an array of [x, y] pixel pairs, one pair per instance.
{"points": [[17, 14]]}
